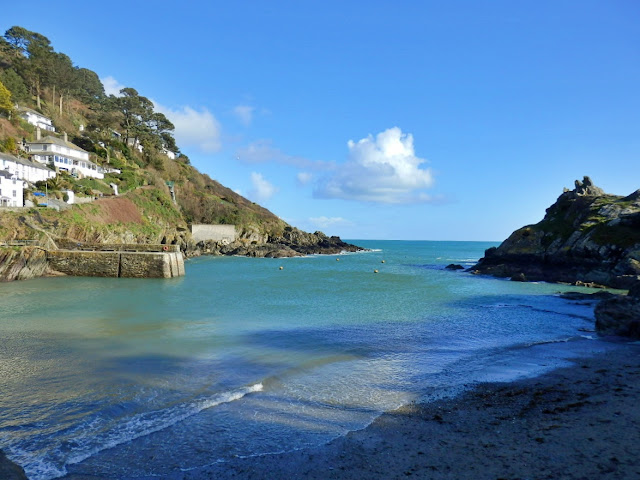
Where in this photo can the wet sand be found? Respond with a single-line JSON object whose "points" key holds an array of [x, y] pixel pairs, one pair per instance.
{"points": [[580, 422]]}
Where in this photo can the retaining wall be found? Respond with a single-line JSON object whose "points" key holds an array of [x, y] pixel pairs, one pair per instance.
{"points": [[216, 233]]}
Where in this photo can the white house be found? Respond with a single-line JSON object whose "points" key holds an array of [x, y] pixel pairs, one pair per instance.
{"points": [[11, 190], [169, 153], [135, 143], [25, 169], [64, 155], [37, 119]]}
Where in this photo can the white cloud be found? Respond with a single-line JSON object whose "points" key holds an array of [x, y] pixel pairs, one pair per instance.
{"points": [[244, 113], [263, 151], [382, 170], [304, 178], [262, 189], [329, 222], [194, 128], [111, 86]]}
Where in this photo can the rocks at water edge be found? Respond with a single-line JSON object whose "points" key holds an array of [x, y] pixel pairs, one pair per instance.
{"points": [[587, 237], [620, 315], [454, 266], [291, 243], [9, 470], [21, 263]]}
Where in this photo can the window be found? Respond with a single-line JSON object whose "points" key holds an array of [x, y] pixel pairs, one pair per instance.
{"points": [[44, 148], [14, 193]]}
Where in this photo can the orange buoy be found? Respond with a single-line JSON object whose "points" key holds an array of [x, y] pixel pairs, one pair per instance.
{"points": [[165, 248]]}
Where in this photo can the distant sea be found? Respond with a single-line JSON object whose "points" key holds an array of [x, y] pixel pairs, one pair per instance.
{"points": [[127, 378]]}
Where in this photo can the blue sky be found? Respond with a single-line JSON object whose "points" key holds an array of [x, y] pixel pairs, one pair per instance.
{"points": [[459, 120]]}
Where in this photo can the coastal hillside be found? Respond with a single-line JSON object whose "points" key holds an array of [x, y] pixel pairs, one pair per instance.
{"points": [[97, 168], [587, 237]]}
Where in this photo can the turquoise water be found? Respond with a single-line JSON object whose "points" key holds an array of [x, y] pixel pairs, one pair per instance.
{"points": [[128, 378]]}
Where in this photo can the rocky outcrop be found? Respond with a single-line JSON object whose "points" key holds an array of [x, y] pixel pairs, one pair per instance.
{"points": [[291, 243], [22, 263], [620, 315], [9, 470], [312, 243], [454, 266], [586, 236]]}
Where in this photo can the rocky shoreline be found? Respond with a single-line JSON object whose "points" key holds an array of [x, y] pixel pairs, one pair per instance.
{"points": [[587, 238], [23, 263], [9, 470], [292, 243]]}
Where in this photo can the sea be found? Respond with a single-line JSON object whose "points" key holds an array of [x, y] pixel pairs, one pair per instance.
{"points": [[131, 378]]}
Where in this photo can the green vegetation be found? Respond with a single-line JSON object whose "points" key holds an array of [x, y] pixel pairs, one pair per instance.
{"points": [[583, 214], [6, 106], [119, 132]]}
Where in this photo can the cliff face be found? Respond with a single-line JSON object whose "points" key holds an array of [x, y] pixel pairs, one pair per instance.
{"points": [[586, 236], [22, 263]]}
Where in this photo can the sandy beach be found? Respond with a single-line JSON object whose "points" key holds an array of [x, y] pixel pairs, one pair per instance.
{"points": [[579, 422]]}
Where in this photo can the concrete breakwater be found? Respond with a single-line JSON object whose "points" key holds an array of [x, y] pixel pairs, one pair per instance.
{"points": [[127, 261]]}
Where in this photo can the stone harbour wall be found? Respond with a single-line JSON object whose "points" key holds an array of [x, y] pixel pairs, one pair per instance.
{"points": [[163, 264], [149, 264], [85, 264]]}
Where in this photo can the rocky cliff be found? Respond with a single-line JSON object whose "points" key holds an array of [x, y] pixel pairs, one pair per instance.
{"points": [[586, 237], [21, 263]]}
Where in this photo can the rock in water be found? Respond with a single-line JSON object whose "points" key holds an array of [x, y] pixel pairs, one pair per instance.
{"points": [[451, 266], [9, 470], [586, 236], [620, 315]]}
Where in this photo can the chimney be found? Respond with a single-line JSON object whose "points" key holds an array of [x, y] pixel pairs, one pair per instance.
{"points": [[38, 133], [66, 138]]}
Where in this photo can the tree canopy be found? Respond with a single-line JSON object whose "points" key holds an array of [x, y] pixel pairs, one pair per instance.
{"points": [[31, 69], [6, 106], [40, 67]]}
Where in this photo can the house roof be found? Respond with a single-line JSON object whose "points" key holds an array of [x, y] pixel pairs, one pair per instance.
{"points": [[29, 110], [57, 141], [23, 161]]}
